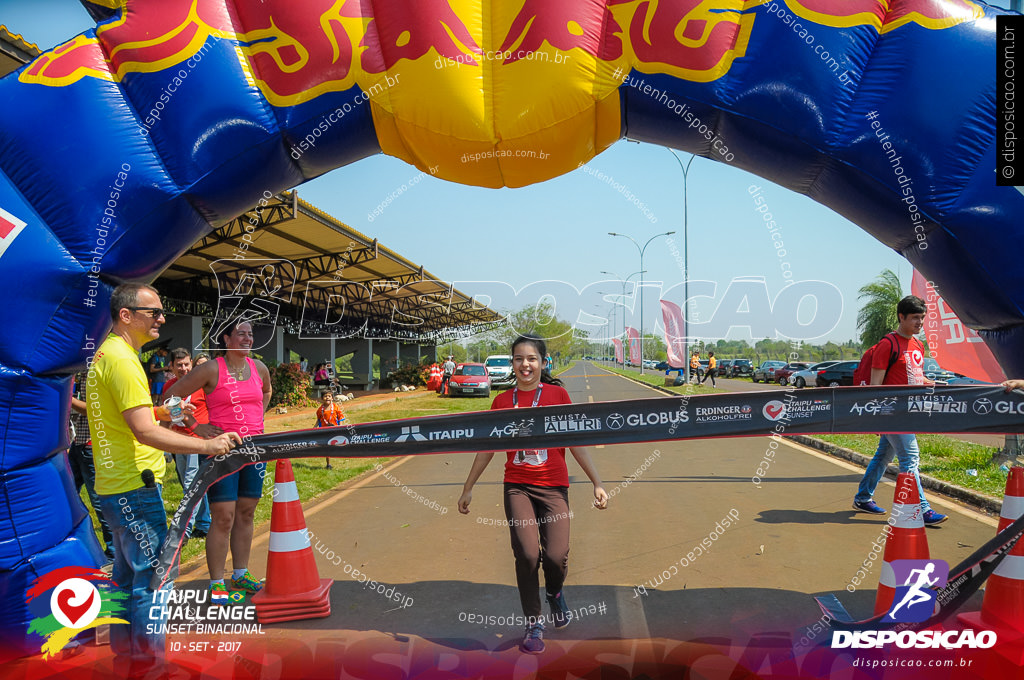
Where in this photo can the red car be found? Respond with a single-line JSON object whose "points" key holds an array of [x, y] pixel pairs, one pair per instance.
{"points": [[782, 374], [469, 380]]}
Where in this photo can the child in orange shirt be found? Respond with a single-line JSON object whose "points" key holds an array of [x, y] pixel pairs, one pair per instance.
{"points": [[329, 415]]}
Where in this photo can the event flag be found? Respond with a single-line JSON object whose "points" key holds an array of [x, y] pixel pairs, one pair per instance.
{"points": [[634, 344], [675, 332], [956, 347]]}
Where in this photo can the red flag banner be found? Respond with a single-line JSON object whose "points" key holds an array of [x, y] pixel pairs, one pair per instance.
{"points": [[634, 344], [675, 332], [618, 349], [956, 347]]}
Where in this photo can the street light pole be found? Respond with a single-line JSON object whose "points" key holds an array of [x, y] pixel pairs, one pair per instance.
{"points": [[644, 248], [624, 282], [686, 261]]}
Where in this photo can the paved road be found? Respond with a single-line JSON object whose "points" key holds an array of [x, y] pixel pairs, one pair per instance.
{"points": [[796, 536]]}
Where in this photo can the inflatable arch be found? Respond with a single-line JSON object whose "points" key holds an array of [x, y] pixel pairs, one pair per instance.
{"points": [[122, 147]]}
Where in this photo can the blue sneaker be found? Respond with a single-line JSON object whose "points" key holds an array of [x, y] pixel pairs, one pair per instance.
{"points": [[869, 506], [560, 614], [533, 641], [932, 518]]}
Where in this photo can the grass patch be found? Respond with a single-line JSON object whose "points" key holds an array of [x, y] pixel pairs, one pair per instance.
{"points": [[311, 476], [942, 457], [658, 380]]}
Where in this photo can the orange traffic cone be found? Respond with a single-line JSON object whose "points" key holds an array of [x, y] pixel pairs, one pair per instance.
{"points": [[1002, 609], [293, 589], [906, 541]]}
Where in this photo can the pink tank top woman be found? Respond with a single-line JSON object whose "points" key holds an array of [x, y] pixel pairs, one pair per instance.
{"points": [[237, 405]]}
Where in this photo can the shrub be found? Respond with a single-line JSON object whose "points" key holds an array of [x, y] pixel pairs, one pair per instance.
{"points": [[290, 386], [410, 374]]}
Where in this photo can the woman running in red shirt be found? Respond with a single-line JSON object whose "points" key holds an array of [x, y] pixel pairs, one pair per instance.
{"points": [[536, 495]]}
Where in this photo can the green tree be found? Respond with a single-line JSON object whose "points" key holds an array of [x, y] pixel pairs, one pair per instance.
{"points": [[877, 316]]}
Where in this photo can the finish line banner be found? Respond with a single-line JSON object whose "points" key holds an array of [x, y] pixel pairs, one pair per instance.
{"points": [[851, 410]]}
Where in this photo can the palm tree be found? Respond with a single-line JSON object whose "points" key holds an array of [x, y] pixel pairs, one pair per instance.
{"points": [[878, 315]]}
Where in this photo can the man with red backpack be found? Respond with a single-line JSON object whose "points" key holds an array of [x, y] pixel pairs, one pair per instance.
{"points": [[898, 359]]}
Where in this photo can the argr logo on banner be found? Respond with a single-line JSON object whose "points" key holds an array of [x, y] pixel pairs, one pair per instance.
{"points": [[875, 407]]}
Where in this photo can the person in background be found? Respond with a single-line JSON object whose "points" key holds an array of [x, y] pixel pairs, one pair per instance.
{"points": [[188, 466], [329, 415], [83, 469], [200, 359], [303, 364], [129, 471], [712, 369], [156, 367], [898, 359], [695, 365], [447, 370]]}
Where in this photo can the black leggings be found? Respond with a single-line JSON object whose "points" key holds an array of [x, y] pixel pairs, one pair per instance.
{"points": [[711, 373], [538, 518]]}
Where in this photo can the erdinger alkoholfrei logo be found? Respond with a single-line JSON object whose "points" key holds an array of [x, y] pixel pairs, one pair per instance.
{"points": [[70, 600], [914, 601]]}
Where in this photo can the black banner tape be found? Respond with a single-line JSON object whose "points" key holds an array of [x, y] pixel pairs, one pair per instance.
{"points": [[866, 410]]}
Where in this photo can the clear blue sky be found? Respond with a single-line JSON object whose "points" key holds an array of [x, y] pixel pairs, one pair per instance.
{"points": [[558, 229]]}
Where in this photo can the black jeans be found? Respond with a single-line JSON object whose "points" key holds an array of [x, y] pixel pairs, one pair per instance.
{"points": [[84, 471], [538, 518]]}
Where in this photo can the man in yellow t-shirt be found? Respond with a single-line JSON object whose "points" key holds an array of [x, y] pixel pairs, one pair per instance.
{"points": [[695, 365], [128, 444]]}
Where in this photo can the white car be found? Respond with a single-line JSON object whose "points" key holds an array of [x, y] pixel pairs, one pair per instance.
{"points": [[499, 368], [808, 375]]}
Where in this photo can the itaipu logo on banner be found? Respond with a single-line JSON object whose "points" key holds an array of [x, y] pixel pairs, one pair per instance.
{"points": [[70, 600]]}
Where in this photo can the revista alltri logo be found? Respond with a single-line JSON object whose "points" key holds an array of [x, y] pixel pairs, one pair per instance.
{"points": [[70, 600]]}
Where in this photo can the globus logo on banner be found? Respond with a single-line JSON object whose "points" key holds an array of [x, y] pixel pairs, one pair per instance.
{"points": [[914, 602], [657, 418], [984, 406]]}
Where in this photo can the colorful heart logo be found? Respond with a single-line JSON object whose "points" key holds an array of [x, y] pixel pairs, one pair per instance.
{"points": [[71, 611], [774, 410]]}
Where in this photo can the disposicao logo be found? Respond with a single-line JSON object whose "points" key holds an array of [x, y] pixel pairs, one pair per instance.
{"points": [[70, 600], [914, 602]]}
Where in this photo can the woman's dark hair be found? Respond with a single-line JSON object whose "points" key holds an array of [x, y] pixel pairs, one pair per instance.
{"points": [[542, 350]]}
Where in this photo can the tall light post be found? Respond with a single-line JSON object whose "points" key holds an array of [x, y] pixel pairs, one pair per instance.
{"points": [[686, 261], [624, 282], [641, 249]]}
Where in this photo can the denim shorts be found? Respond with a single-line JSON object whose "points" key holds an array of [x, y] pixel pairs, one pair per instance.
{"points": [[246, 483]]}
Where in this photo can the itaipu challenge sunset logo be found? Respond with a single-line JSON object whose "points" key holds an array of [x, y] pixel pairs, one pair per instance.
{"points": [[70, 600]]}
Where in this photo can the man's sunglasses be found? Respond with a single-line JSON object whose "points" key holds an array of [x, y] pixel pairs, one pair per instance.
{"points": [[154, 312]]}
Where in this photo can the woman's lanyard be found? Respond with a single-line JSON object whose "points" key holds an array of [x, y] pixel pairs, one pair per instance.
{"points": [[515, 404]]}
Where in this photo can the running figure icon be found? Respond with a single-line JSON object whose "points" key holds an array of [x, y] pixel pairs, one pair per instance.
{"points": [[916, 593]]}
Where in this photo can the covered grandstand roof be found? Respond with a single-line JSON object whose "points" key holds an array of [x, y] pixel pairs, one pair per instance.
{"points": [[325, 277]]}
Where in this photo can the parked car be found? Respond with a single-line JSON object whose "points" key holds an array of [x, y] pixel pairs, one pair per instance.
{"points": [[741, 367], [499, 369], [766, 371], [932, 371], [724, 368], [782, 374], [809, 374], [470, 379], [837, 375], [665, 366]]}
